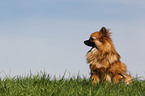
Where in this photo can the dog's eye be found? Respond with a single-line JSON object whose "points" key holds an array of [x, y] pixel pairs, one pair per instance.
{"points": [[91, 38]]}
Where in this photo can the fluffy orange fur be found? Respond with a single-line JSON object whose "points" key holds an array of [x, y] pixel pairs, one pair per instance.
{"points": [[104, 60]]}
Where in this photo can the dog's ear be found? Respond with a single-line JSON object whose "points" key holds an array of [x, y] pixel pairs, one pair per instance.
{"points": [[105, 34], [103, 30]]}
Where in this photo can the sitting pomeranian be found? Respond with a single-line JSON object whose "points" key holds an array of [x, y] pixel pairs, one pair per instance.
{"points": [[105, 64]]}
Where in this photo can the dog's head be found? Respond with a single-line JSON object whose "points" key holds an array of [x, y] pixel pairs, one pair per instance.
{"points": [[98, 38]]}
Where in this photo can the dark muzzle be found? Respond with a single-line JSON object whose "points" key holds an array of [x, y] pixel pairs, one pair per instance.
{"points": [[89, 43]]}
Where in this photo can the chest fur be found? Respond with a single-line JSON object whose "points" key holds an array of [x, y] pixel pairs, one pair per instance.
{"points": [[101, 59]]}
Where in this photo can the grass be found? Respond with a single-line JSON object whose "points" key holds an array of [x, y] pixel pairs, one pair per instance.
{"points": [[43, 85]]}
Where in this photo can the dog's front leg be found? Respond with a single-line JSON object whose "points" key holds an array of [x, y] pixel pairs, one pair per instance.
{"points": [[95, 79], [94, 74]]}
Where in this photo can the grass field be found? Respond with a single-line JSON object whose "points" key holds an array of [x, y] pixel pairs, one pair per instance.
{"points": [[44, 85]]}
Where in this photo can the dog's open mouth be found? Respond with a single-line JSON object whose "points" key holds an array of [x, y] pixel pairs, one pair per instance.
{"points": [[90, 44]]}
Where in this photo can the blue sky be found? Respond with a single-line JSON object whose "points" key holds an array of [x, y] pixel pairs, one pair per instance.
{"points": [[48, 35]]}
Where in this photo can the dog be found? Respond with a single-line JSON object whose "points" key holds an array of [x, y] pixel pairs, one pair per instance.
{"points": [[105, 64]]}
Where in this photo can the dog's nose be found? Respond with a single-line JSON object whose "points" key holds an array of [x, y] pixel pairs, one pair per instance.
{"points": [[86, 42]]}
